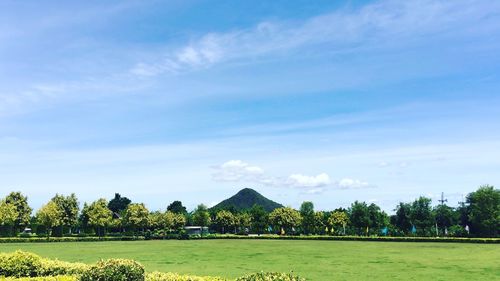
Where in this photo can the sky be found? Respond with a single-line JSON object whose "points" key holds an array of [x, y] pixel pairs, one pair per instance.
{"points": [[323, 101]]}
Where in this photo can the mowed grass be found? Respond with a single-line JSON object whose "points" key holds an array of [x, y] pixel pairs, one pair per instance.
{"points": [[314, 260]]}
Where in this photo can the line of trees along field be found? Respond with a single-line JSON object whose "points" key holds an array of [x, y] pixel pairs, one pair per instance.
{"points": [[478, 216]]}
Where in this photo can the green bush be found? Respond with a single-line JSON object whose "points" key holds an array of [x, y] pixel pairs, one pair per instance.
{"points": [[114, 270], [270, 276], [56, 267], [161, 276], [20, 264], [24, 264], [44, 278]]}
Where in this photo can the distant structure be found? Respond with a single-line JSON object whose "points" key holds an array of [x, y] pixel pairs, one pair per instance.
{"points": [[442, 200]]}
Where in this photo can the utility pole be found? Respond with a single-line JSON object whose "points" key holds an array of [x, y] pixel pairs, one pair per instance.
{"points": [[442, 199]]}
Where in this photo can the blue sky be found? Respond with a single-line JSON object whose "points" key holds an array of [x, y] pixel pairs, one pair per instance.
{"points": [[328, 101]]}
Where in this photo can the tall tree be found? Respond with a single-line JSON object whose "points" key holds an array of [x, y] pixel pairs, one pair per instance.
{"points": [[224, 220], [174, 221], [176, 207], [402, 218], [377, 217], [201, 216], [136, 216], [359, 216], [285, 219], [99, 216], [243, 221], [338, 219], [8, 216], [23, 209], [484, 215], [118, 204], [422, 216], [49, 216], [70, 207], [259, 219], [445, 216], [307, 213]]}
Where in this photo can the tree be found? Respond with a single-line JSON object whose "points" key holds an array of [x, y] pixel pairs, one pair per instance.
{"points": [[224, 220], [176, 207], [259, 219], [307, 213], [378, 218], [118, 204], [49, 216], [156, 220], [285, 218], [136, 216], [360, 217], [402, 218], [243, 221], [22, 207], [8, 215], [338, 219], [484, 216], [445, 216], [70, 207], [174, 221], [98, 215], [421, 215], [319, 222], [201, 216]]}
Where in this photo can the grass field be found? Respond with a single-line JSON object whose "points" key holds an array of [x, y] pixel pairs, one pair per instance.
{"points": [[314, 260]]}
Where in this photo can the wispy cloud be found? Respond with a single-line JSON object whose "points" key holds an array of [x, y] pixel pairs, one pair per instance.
{"points": [[372, 26]]}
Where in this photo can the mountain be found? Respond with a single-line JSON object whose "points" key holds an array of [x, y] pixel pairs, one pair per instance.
{"points": [[245, 199]]}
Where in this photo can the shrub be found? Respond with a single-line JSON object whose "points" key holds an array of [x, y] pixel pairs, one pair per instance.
{"points": [[56, 267], [20, 264], [270, 276], [45, 278], [160, 276], [114, 270]]}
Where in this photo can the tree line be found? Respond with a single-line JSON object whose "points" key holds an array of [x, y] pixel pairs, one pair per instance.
{"points": [[478, 216]]}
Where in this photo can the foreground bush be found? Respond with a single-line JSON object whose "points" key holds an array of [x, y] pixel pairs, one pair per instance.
{"points": [[160, 276], [270, 276], [114, 270], [20, 264], [44, 278], [24, 264]]}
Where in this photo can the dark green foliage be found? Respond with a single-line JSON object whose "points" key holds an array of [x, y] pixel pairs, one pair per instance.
{"points": [[259, 219], [484, 211], [118, 204], [246, 199], [402, 218], [421, 215], [176, 207], [114, 270]]}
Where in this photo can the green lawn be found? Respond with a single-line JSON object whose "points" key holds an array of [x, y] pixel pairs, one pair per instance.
{"points": [[314, 260]]}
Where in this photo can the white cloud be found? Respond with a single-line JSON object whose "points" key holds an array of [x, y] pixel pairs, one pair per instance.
{"points": [[347, 183], [299, 180], [239, 171]]}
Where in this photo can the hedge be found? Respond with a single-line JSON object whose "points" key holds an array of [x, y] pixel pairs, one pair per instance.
{"points": [[266, 236], [362, 238], [44, 278], [270, 276], [68, 239], [162, 276]]}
